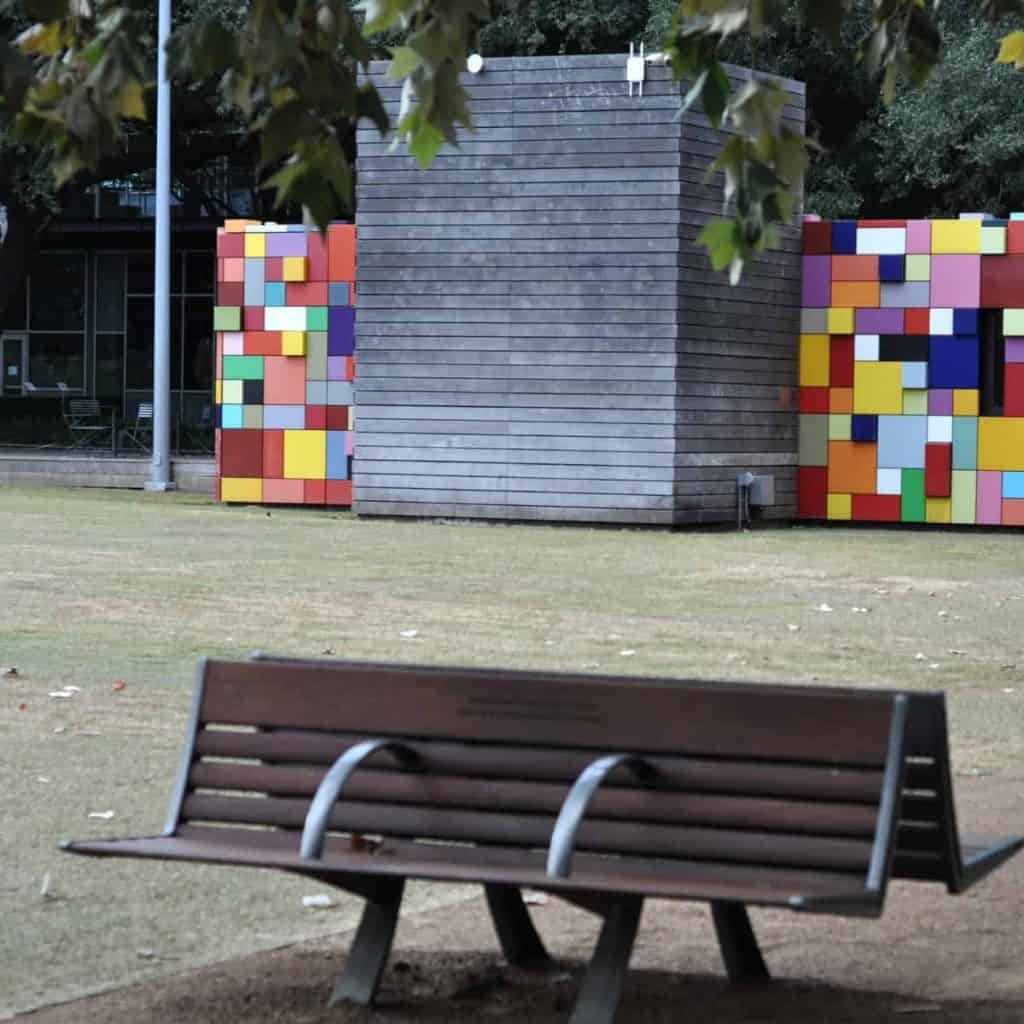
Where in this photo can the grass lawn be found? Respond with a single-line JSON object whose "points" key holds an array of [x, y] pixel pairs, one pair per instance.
{"points": [[100, 589]]}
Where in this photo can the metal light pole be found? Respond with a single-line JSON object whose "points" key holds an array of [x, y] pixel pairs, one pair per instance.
{"points": [[160, 469]]}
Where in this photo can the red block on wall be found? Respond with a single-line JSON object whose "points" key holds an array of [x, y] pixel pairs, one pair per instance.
{"points": [[262, 343], [307, 293], [252, 318], [341, 250], [881, 223], [876, 508], [273, 454], [814, 400], [339, 492], [316, 492], [1000, 280], [1013, 391], [917, 321], [938, 470], [840, 361], [818, 237], [241, 453], [274, 269], [1015, 237], [316, 254], [230, 245], [337, 417], [812, 492], [230, 293], [316, 417]]}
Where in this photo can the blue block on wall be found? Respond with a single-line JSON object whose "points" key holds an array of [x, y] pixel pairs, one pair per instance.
{"points": [[275, 294], [953, 363], [864, 428], [231, 417], [337, 456], [338, 293], [965, 321], [965, 442], [844, 237], [892, 268], [901, 441]]}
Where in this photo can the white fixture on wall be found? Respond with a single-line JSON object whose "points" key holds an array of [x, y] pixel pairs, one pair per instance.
{"points": [[474, 63], [636, 70]]}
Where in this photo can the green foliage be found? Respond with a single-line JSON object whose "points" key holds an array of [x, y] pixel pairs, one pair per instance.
{"points": [[564, 26]]}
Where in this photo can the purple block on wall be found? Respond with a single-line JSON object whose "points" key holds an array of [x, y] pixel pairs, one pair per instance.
{"points": [[1015, 350], [286, 243], [336, 367], [341, 330], [844, 237], [965, 321], [817, 283], [940, 402], [879, 321]]}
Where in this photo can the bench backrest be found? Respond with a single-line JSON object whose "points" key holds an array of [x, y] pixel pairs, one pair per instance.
{"points": [[746, 774]]}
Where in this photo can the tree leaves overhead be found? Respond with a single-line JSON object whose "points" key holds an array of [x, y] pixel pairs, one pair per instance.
{"points": [[79, 70]]}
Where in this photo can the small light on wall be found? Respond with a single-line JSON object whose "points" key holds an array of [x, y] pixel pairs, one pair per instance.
{"points": [[474, 63]]}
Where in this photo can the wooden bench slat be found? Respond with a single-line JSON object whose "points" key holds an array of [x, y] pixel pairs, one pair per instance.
{"points": [[632, 803], [607, 836], [667, 879], [601, 713]]}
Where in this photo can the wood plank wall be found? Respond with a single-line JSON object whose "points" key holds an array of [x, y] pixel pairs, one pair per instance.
{"points": [[520, 315], [736, 371]]}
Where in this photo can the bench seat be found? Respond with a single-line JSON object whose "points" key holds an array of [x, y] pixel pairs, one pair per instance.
{"points": [[677, 880]]}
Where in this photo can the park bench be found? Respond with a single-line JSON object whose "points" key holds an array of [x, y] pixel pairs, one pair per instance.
{"points": [[602, 791]]}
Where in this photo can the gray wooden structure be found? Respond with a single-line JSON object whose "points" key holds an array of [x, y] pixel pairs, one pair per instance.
{"points": [[540, 338]]}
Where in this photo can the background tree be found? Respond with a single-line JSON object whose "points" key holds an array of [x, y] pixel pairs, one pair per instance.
{"points": [[289, 69]]}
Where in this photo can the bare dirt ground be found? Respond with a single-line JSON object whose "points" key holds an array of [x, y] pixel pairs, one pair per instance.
{"points": [[932, 958]]}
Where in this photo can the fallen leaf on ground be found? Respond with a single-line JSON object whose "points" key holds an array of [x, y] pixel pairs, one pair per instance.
{"points": [[119, 685], [146, 954], [23, 707], [60, 728], [319, 902], [102, 815], [824, 607], [328, 650], [534, 899], [1009, 689], [42, 778], [45, 889], [60, 695], [628, 653], [409, 634], [793, 627], [934, 664], [954, 650], [11, 673]]}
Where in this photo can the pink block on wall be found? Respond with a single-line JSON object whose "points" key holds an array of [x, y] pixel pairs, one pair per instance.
{"points": [[234, 270], [284, 492], [956, 282], [990, 499], [1015, 350], [919, 237], [350, 442]]}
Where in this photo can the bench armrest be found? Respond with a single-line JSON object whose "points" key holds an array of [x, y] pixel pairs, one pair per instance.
{"points": [[563, 838], [867, 903], [327, 793]]}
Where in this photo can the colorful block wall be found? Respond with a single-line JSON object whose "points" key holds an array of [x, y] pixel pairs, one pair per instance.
{"points": [[891, 371], [285, 323]]}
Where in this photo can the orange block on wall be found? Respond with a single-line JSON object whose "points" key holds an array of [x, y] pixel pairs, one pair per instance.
{"points": [[341, 252], [856, 294], [854, 268], [852, 467], [840, 400]]}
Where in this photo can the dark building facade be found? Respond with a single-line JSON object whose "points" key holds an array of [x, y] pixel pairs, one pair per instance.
{"points": [[540, 338]]}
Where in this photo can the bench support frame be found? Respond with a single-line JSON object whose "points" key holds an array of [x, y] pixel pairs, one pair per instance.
{"points": [[601, 990], [520, 943], [741, 954], [368, 955]]}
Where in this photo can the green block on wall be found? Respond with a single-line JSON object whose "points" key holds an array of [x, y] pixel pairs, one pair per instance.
{"points": [[231, 392], [316, 355], [965, 494], [993, 243], [813, 443], [243, 367], [965, 442], [839, 426], [1013, 323], [252, 417], [912, 504], [316, 318], [227, 318]]}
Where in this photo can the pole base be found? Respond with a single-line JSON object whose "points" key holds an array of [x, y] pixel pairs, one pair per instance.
{"points": [[159, 485]]}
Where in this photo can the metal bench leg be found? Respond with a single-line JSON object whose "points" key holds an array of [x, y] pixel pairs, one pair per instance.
{"points": [[740, 952], [519, 940], [359, 981], [598, 999]]}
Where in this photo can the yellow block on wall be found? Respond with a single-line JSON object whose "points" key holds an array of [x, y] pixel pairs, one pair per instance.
{"points": [[938, 510], [878, 388], [255, 245], [305, 454], [840, 506], [814, 360], [1001, 443], [293, 343], [241, 489], [965, 402], [840, 321], [294, 268], [952, 237]]}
